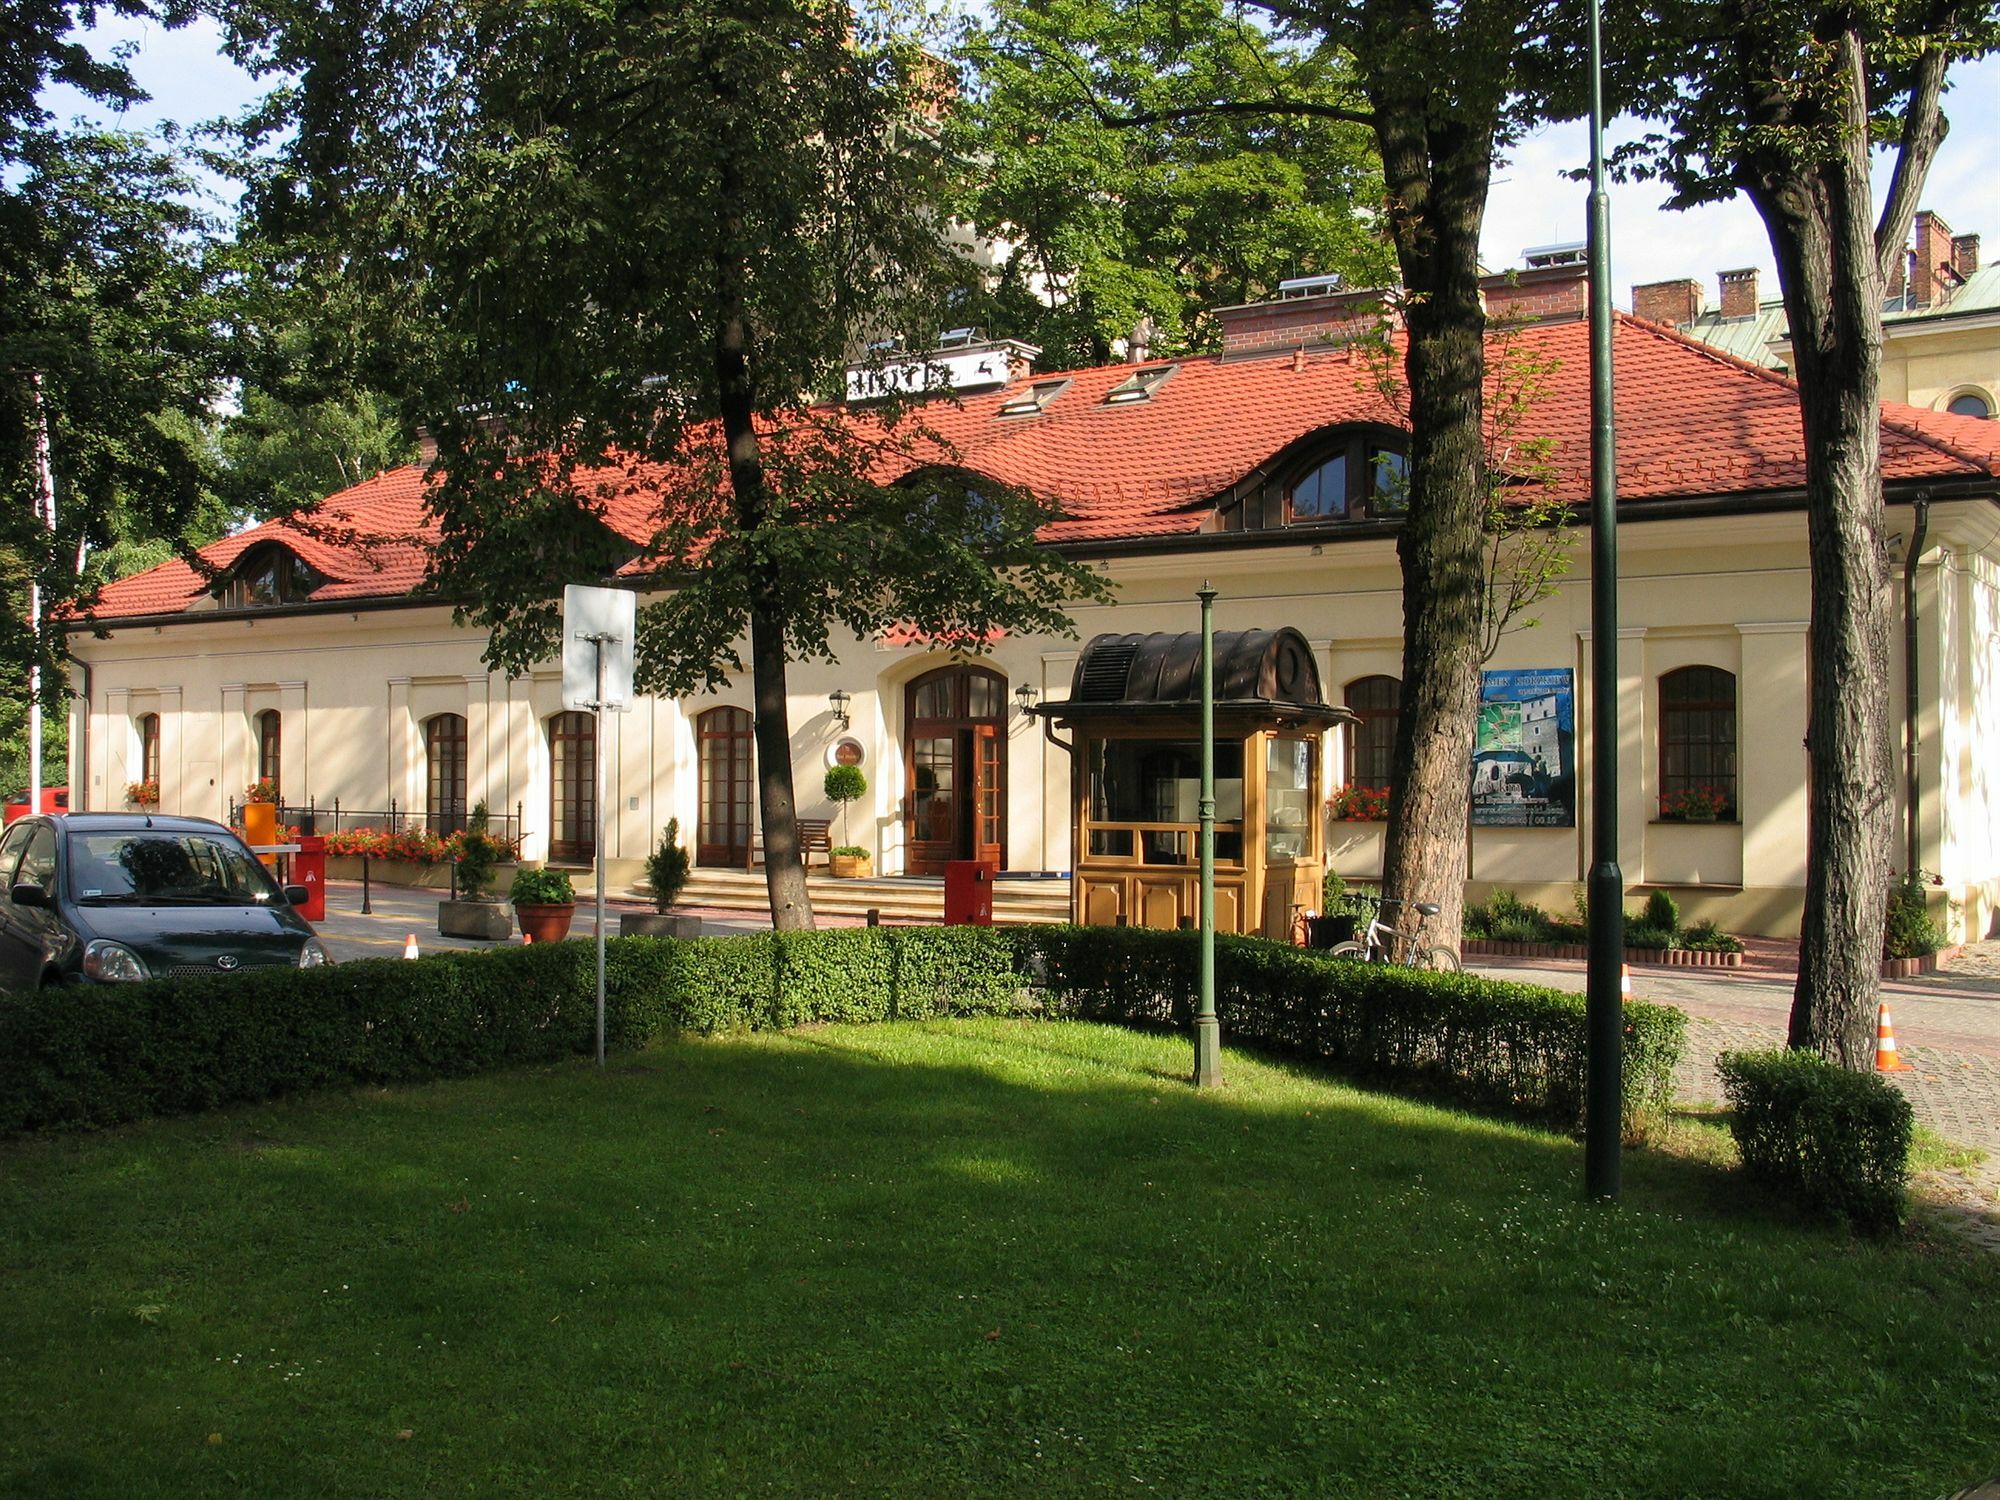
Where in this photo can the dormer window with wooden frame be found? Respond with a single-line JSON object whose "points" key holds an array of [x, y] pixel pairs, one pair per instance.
{"points": [[266, 577], [1360, 474]]}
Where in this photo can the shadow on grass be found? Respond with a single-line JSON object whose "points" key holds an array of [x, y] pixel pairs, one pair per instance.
{"points": [[946, 1258]]}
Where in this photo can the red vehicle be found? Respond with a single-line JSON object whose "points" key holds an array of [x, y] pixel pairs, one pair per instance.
{"points": [[54, 799]]}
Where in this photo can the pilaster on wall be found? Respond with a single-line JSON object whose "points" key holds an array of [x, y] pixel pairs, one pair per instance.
{"points": [[1771, 755], [1634, 734], [115, 732], [480, 784], [1059, 801], [400, 767], [239, 763], [297, 731], [175, 789]]}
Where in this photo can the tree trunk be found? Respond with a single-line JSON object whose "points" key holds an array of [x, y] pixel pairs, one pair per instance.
{"points": [[784, 872], [1821, 225], [1437, 181]]}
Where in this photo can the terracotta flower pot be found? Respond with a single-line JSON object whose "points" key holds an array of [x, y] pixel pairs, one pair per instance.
{"points": [[544, 924]]}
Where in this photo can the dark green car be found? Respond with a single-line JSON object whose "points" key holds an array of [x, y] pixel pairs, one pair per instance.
{"points": [[112, 898]]}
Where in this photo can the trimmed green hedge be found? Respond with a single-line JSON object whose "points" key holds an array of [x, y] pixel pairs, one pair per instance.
{"points": [[1833, 1139], [98, 1055], [1514, 1047]]}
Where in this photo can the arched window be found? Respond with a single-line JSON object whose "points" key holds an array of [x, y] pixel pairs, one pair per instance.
{"points": [[270, 744], [1353, 475], [444, 773], [572, 788], [1371, 744], [1363, 479], [1698, 745], [268, 575], [1969, 404], [149, 748]]}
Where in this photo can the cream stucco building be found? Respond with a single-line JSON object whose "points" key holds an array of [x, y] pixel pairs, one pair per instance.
{"points": [[1259, 470]]}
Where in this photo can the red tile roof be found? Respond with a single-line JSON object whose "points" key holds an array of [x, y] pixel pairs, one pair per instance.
{"points": [[1692, 421]]}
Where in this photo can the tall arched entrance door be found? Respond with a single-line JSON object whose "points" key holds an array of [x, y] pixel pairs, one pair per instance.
{"points": [[955, 768], [722, 743]]}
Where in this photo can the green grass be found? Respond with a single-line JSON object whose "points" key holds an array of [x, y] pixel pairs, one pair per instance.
{"points": [[949, 1259]]}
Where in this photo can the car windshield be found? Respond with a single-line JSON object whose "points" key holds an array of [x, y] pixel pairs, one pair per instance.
{"points": [[159, 868]]}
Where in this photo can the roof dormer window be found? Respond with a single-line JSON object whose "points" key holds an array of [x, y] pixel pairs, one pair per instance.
{"points": [[268, 576], [1139, 386], [1034, 400], [1356, 475]]}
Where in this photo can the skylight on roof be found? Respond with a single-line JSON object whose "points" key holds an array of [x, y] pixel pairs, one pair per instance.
{"points": [[1140, 386], [1034, 399]]}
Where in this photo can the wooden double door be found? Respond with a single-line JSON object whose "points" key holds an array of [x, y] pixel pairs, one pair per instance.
{"points": [[955, 769]]}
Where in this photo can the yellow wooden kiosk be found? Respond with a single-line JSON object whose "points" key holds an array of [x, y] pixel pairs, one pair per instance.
{"points": [[1134, 716]]}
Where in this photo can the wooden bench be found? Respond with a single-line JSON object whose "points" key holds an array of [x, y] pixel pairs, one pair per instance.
{"points": [[814, 834]]}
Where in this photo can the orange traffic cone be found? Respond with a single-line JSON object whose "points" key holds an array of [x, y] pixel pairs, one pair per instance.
{"points": [[1886, 1060], [527, 937], [410, 946], [1624, 984]]}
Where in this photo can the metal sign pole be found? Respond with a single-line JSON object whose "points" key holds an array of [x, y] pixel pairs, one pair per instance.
{"points": [[597, 762], [1207, 1030]]}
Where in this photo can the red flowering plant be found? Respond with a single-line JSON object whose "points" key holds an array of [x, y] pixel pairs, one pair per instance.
{"points": [[413, 846], [1696, 804], [1359, 804], [261, 790], [143, 794]]}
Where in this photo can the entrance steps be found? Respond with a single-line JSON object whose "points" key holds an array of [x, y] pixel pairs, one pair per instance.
{"points": [[899, 898]]}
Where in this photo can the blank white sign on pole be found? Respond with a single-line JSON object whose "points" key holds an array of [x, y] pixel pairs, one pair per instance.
{"points": [[594, 617]]}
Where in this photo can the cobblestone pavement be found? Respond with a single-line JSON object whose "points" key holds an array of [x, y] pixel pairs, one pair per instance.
{"points": [[1947, 1027]]}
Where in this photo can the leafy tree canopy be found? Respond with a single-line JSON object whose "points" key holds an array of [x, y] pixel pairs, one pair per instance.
{"points": [[1173, 217]]}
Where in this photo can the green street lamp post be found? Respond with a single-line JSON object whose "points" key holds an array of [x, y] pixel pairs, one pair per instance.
{"points": [[1603, 1018], [1207, 1030]]}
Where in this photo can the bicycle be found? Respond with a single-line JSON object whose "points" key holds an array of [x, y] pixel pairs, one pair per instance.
{"points": [[1380, 943]]}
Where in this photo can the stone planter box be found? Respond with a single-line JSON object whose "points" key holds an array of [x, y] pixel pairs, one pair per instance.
{"points": [[1675, 958], [401, 872], [658, 924], [474, 919]]}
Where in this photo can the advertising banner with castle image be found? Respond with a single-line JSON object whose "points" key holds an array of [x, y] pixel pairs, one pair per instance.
{"points": [[1524, 755]]}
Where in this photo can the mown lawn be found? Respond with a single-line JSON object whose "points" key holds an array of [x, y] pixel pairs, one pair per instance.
{"points": [[948, 1259]]}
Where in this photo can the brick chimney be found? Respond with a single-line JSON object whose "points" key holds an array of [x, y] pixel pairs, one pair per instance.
{"points": [[1965, 254], [1934, 250], [1739, 293], [1899, 280], [1671, 302], [1332, 318], [1549, 293]]}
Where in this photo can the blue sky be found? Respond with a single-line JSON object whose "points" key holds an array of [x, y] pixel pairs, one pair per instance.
{"points": [[1532, 203]]}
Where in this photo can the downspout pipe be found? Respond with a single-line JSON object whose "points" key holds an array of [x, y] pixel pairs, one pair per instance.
{"points": [[1912, 700]]}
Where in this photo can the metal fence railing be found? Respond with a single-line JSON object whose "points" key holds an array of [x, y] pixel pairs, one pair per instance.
{"points": [[331, 817]]}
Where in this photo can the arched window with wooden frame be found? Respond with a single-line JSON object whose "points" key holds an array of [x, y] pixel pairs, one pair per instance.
{"points": [[444, 773], [270, 727], [1341, 475], [1371, 744], [572, 788], [149, 749], [1698, 745], [724, 747]]}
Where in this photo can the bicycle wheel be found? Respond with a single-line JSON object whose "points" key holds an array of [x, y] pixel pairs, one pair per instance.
{"points": [[1346, 950], [1441, 959]]}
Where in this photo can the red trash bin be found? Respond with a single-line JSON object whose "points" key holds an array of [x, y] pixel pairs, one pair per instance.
{"points": [[309, 870], [968, 892]]}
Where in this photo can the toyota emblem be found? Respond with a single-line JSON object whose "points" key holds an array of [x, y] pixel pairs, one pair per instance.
{"points": [[227, 961]]}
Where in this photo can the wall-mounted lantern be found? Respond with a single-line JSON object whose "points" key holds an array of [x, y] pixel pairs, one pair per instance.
{"points": [[840, 698]]}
